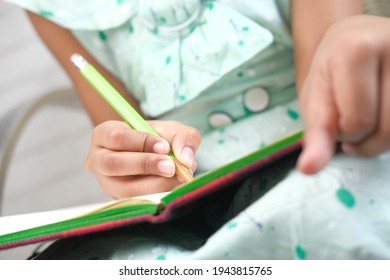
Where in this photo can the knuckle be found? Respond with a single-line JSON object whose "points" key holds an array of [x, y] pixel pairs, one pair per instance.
{"points": [[146, 165], [116, 137], [146, 142], [356, 48], [149, 164], [102, 128], [194, 133], [362, 123], [109, 163], [356, 45], [361, 49]]}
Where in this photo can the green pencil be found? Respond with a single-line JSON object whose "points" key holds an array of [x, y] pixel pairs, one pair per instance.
{"points": [[121, 106]]}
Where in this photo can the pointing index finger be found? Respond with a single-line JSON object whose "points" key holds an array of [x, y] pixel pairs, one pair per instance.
{"points": [[321, 127]]}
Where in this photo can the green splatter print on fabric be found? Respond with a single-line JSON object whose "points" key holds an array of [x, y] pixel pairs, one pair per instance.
{"points": [[163, 20], [168, 59], [300, 252], [248, 112], [231, 225], [131, 28], [120, 2], [210, 5], [240, 74], [245, 29], [241, 43], [262, 145], [293, 114], [345, 197], [102, 36], [46, 13], [161, 257]]}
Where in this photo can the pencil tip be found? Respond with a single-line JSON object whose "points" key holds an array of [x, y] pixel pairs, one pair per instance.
{"points": [[183, 172]]}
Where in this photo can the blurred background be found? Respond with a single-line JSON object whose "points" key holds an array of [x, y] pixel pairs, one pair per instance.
{"points": [[46, 169]]}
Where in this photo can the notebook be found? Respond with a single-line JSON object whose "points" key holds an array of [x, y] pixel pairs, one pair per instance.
{"points": [[157, 208]]}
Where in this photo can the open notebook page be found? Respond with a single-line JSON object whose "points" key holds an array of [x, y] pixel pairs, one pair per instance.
{"points": [[9, 224]]}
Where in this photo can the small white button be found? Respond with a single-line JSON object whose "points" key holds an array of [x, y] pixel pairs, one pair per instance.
{"points": [[219, 119], [256, 99]]}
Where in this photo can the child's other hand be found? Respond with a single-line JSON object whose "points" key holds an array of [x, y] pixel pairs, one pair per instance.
{"points": [[346, 95], [127, 162]]}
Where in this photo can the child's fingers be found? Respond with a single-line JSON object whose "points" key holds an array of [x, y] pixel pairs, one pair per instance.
{"points": [[118, 136], [109, 163], [340, 100], [320, 117], [318, 150], [379, 141], [354, 80], [184, 139]]}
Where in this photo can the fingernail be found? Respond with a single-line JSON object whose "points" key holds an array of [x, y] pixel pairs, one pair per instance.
{"points": [[193, 167], [180, 179], [306, 165], [187, 156], [160, 148], [166, 167]]}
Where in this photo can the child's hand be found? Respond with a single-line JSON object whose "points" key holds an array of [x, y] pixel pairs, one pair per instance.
{"points": [[130, 163], [346, 95]]}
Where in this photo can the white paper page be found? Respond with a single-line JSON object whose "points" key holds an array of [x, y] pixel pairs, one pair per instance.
{"points": [[9, 224]]}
